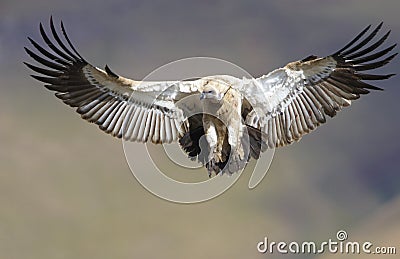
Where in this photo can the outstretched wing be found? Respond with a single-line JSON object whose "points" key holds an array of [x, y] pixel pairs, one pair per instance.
{"points": [[292, 101], [134, 110]]}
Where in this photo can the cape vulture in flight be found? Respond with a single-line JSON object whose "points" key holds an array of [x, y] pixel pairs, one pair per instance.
{"points": [[239, 118]]}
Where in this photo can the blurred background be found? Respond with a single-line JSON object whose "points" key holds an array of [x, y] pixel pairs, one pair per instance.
{"points": [[66, 190]]}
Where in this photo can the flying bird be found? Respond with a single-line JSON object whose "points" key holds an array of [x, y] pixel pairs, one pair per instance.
{"points": [[219, 120]]}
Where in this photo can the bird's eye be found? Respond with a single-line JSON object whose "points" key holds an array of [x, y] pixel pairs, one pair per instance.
{"points": [[209, 92]]}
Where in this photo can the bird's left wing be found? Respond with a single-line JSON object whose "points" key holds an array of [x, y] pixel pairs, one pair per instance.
{"points": [[292, 101], [134, 110]]}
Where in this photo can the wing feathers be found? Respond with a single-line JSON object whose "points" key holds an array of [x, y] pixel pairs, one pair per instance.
{"points": [[315, 105], [353, 40], [370, 48], [43, 61], [374, 65], [43, 71], [374, 77], [117, 129], [69, 42], [48, 54], [51, 45], [110, 73], [152, 124], [302, 116], [129, 125], [308, 111], [156, 135], [363, 42], [138, 124], [147, 128], [373, 56], [103, 97], [303, 92], [60, 43]]}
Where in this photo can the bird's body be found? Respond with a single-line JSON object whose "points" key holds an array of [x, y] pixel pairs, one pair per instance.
{"points": [[238, 118], [222, 123]]}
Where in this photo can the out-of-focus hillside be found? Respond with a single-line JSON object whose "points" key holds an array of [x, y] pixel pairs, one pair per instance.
{"points": [[67, 192]]}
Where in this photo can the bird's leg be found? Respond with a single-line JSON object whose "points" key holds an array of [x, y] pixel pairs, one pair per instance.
{"points": [[237, 159], [234, 141], [211, 136], [221, 133], [212, 139]]}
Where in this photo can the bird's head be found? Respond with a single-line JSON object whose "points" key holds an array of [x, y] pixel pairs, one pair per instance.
{"points": [[213, 90]]}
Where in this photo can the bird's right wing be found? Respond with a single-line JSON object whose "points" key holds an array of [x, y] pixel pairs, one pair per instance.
{"points": [[134, 110]]}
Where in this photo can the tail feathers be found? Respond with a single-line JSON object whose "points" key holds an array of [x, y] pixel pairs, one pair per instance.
{"points": [[194, 144]]}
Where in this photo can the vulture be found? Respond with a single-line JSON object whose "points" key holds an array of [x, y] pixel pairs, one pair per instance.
{"points": [[219, 120]]}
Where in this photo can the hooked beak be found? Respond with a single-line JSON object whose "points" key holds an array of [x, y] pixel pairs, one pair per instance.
{"points": [[202, 96]]}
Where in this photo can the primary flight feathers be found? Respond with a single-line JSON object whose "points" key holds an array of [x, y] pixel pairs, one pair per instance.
{"points": [[238, 117]]}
